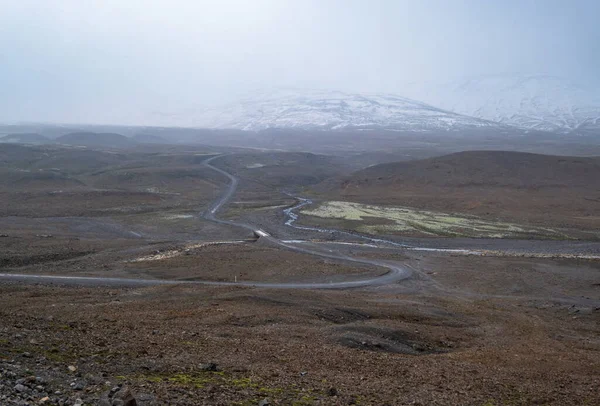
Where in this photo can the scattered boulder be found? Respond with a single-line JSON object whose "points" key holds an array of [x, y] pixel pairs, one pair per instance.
{"points": [[120, 397], [79, 386], [209, 367], [20, 387], [124, 397]]}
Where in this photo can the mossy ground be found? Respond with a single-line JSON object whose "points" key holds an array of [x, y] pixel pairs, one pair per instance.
{"points": [[373, 219], [254, 388]]}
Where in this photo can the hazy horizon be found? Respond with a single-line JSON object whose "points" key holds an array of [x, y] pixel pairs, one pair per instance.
{"points": [[114, 62]]}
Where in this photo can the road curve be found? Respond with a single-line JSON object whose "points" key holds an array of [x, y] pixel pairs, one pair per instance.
{"points": [[394, 273]]}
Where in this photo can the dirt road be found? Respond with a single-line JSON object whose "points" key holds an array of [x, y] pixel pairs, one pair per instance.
{"points": [[393, 273]]}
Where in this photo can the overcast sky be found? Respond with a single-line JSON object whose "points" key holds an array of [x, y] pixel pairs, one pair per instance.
{"points": [[107, 60]]}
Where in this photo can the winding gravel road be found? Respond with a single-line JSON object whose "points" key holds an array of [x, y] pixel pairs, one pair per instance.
{"points": [[394, 273]]}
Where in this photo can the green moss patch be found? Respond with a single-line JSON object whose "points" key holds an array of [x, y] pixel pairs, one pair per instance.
{"points": [[373, 219]]}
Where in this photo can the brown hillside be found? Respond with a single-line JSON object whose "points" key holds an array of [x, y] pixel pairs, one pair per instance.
{"points": [[549, 190]]}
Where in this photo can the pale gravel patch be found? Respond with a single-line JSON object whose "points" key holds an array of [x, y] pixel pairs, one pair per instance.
{"points": [[175, 253]]}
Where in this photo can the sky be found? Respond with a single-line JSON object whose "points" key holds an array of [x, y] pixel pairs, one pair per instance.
{"points": [[115, 61]]}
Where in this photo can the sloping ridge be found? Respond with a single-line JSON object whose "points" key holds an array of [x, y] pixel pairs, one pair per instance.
{"points": [[25, 138], [535, 102], [493, 168], [96, 139], [525, 188]]}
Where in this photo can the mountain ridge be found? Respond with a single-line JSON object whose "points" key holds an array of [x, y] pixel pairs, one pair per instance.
{"points": [[330, 110], [531, 102]]}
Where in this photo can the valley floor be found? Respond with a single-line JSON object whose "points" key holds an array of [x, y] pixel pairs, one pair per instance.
{"points": [[517, 323]]}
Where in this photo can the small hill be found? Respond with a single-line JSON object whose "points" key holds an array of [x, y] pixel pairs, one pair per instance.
{"points": [[25, 138], [67, 160], [167, 178], [36, 180], [546, 190], [90, 139]]}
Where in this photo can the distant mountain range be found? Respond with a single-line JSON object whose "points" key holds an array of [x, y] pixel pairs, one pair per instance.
{"points": [[537, 102], [502, 102], [91, 139], [329, 110]]}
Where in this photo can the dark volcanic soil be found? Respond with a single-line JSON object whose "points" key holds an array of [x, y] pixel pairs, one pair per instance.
{"points": [[369, 347]]}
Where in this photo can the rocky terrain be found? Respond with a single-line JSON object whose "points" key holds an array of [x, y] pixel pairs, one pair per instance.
{"points": [[502, 322], [526, 333]]}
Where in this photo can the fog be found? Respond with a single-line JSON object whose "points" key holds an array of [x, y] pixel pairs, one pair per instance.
{"points": [[113, 61]]}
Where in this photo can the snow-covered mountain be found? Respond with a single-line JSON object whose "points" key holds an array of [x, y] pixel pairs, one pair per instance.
{"points": [[327, 110], [543, 103]]}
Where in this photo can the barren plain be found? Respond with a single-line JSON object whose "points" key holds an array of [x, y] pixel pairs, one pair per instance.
{"points": [[475, 319]]}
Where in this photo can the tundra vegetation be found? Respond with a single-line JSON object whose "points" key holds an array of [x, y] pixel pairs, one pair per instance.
{"points": [[373, 219]]}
